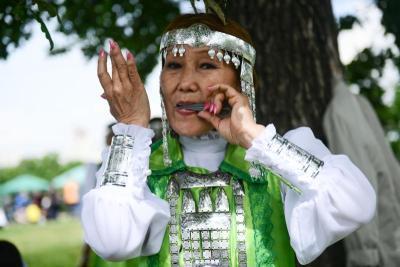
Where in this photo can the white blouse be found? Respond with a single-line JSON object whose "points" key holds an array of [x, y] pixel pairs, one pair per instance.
{"points": [[126, 222]]}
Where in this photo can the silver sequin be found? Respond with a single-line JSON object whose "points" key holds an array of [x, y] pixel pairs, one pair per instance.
{"points": [[118, 161], [188, 205], [205, 204], [222, 204]]}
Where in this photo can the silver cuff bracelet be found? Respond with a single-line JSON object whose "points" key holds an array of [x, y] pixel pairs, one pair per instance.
{"points": [[119, 161], [296, 156]]}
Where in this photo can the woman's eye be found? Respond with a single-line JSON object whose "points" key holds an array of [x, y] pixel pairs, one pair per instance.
{"points": [[207, 66], [173, 65]]}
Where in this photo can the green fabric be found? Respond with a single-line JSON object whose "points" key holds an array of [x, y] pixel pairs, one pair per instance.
{"points": [[267, 239]]}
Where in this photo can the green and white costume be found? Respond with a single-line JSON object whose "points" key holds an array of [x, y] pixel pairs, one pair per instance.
{"points": [[206, 210]]}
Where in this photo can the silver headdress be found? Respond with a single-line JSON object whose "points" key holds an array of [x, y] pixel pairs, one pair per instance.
{"points": [[223, 46]]}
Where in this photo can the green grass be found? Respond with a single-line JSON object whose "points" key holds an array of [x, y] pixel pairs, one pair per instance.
{"points": [[53, 244]]}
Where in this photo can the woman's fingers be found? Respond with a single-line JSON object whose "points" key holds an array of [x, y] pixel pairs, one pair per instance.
{"points": [[133, 73], [104, 77], [120, 67], [230, 93], [214, 120]]}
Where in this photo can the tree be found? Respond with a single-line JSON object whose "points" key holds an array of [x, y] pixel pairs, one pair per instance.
{"points": [[46, 167], [136, 25], [296, 42]]}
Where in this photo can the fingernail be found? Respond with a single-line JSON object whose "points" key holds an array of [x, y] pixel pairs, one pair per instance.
{"points": [[103, 95], [128, 55], [112, 44], [212, 108], [102, 53], [206, 105], [215, 109], [211, 86]]}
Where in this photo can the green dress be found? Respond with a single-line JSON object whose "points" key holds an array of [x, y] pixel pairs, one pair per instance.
{"points": [[265, 239]]}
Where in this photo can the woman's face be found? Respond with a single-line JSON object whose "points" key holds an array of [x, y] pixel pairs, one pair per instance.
{"points": [[185, 80]]}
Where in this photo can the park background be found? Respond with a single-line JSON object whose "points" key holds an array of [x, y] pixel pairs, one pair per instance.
{"points": [[53, 118]]}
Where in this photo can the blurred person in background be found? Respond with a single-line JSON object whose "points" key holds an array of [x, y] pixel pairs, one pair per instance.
{"points": [[10, 255]]}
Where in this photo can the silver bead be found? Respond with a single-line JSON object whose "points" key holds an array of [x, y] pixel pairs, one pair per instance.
{"points": [[181, 51], [174, 50], [220, 56], [211, 53], [235, 61], [227, 57]]}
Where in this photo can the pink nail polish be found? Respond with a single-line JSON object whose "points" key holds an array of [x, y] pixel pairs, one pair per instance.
{"points": [[128, 55], [212, 108], [112, 44], [206, 106], [102, 53]]}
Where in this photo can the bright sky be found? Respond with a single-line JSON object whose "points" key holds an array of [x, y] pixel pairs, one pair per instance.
{"points": [[53, 104]]}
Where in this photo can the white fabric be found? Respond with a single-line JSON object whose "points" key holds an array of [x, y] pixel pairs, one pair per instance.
{"points": [[125, 222], [336, 202], [352, 127], [333, 204], [203, 152]]}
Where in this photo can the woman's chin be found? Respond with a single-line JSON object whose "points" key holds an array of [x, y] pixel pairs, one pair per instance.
{"points": [[192, 130]]}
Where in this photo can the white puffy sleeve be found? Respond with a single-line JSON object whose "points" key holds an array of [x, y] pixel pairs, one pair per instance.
{"points": [[332, 205], [125, 222]]}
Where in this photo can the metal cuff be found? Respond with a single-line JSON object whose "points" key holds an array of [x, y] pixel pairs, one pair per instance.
{"points": [[119, 161], [298, 158]]}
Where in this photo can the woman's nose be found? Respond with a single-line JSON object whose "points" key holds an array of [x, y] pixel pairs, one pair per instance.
{"points": [[188, 80]]}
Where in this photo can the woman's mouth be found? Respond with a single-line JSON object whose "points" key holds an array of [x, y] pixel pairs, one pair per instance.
{"points": [[186, 108]]}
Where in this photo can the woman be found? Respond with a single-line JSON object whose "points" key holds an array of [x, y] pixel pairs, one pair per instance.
{"points": [[209, 199]]}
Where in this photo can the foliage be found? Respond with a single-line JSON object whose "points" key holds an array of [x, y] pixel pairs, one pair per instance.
{"points": [[135, 25], [40, 245], [46, 167], [367, 68]]}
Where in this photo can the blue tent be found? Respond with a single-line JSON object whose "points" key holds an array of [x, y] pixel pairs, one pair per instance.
{"points": [[76, 174], [24, 183]]}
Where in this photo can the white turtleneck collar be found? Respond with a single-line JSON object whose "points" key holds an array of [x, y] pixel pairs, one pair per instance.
{"points": [[206, 151]]}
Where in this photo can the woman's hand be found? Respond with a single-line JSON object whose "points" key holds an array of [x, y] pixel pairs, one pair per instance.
{"points": [[240, 127], [124, 90]]}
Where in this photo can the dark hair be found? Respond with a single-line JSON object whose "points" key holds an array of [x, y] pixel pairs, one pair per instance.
{"points": [[9, 255], [213, 22]]}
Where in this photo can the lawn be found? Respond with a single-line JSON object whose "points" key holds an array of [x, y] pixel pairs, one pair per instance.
{"points": [[53, 244]]}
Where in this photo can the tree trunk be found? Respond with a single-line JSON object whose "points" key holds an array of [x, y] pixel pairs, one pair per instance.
{"points": [[297, 58], [296, 44]]}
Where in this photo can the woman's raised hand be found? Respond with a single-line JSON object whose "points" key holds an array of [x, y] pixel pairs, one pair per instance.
{"points": [[240, 127], [124, 89]]}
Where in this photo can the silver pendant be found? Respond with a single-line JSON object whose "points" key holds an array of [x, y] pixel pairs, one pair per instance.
{"points": [[227, 57], [235, 61], [220, 56], [174, 50], [211, 53], [181, 51]]}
